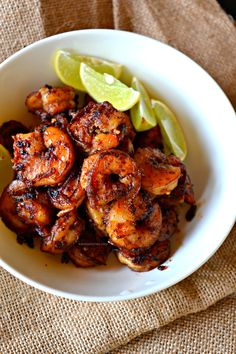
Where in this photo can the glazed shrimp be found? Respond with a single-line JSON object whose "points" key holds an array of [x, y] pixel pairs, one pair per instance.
{"points": [[159, 176], [151, 259], [52, 100], [87, 167], [59, 121], [184, 190], [43, 159], [169, 223], [7, 130], [159, 252], [21, 207], [70, 194], [134, 225], [150, 138], [97, 216], [99, 126], [64, 233], [9, 214], [90, 250], [33, 207], [110, 175]]}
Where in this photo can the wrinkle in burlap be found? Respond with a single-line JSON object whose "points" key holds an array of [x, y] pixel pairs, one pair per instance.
{"points": [[33, 321]]}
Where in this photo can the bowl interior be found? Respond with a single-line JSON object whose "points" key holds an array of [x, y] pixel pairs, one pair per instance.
{"points": [[199, 104]]}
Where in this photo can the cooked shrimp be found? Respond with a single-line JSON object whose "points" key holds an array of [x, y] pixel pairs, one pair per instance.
{"points": [[110, 175], [64, 233], [185, 185], [151, 259], [159, 176], [134, 225], [9, 214], [43, 159], [126, 145], [32, 207], [188, 193], [169, 223], [28, 206], [60, 121], [184, 190], [99, 126], [52, 100], [150, 138], [97, 216], [90, 250], [7, 130], [70, 194], [87, 167]]}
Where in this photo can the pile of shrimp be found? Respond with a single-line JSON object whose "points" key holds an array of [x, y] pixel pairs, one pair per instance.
{"points": [[87, 185]]}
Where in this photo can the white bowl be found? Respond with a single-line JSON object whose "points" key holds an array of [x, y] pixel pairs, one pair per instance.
{"points": [[209, 124]]}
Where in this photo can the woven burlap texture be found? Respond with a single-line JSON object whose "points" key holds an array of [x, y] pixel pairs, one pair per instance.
{"points": [[32, 321], [210, 331]]}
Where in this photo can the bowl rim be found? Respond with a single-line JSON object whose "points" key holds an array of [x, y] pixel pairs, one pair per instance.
{"points": [[165, 284]]}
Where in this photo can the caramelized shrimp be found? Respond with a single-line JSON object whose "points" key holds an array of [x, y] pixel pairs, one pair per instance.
{"points": [[134, 225], [90, 250], [43, 159], [151, 259], [184, 190], [110, 175], [52, 100], [150, 138], [159, 176], [7, 130], [185, 187], [32, 206], [27, 206], [87, 167], [169, 223], [70, 194], [9, 214], [97, 216], [64, 233], [59, 121], [126, 145], [99, 126]]}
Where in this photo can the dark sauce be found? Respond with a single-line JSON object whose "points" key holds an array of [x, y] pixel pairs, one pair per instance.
{"points": [[162, 267], [191, 212], [65, 258], [28, 240]]}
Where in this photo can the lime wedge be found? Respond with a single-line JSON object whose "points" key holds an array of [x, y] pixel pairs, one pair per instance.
{"points": [[102, 66], [6, 168], [142, 115], [171, 130], [67, 67], [105, 87]]}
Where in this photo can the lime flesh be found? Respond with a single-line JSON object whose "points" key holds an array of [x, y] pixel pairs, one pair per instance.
{"points": [[67, 67], [171, 130], [142, 115], [102, 66], [105, 87]]}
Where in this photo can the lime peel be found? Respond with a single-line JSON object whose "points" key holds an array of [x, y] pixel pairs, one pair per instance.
{"points": [[170, 129], [142, 115]]}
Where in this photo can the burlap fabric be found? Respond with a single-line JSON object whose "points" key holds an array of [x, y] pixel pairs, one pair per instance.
{"points": [[35, 322], [210, 331]]}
